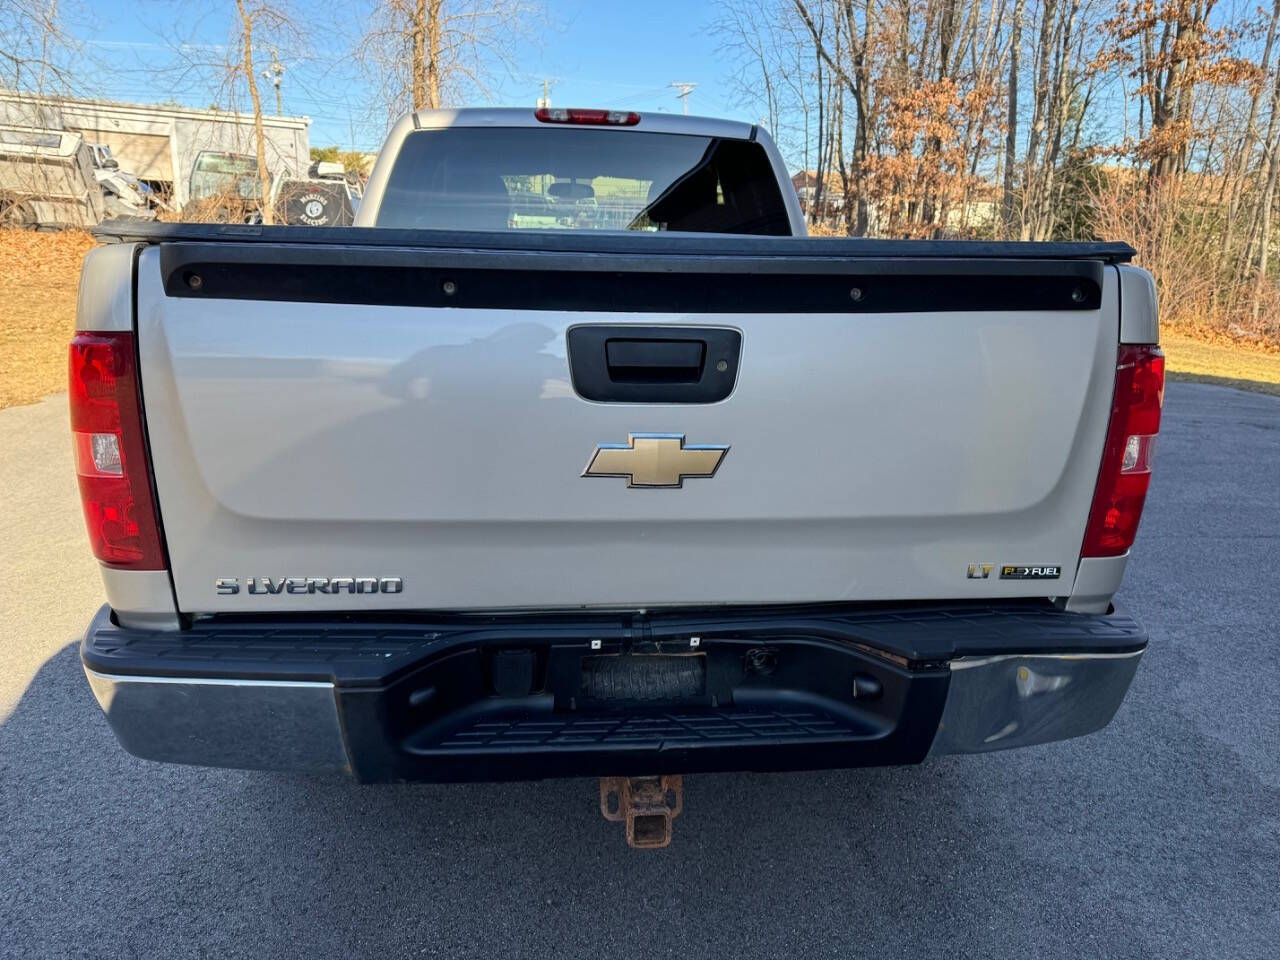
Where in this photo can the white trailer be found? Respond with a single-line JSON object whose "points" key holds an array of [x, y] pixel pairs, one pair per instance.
{"points": [[159, 144], [46, 179]]}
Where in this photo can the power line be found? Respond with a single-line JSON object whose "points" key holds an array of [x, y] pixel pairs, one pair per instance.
{"points": [[685, 89], [636, 98]]}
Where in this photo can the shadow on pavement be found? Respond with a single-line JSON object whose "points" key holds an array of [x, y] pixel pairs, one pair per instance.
{"points": [[1046, 852], [1252, 386]]}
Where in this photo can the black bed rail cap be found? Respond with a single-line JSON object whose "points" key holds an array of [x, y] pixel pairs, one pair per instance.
{"points": [[593, 242]]}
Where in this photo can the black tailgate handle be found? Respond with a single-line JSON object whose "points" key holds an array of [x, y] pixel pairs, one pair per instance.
{"points": [[639, 364], [655, 361]]}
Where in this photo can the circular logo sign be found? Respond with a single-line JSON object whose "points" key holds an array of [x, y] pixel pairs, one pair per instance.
{"points": [[312, 209]]}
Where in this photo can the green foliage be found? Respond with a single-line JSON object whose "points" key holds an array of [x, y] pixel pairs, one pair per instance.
{"points": [[351, 160], [1081, 180], [355, 161]]}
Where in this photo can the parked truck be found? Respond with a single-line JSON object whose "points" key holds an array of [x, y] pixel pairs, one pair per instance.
{"points": [[463, 494], [123, 193], [47, 179]]}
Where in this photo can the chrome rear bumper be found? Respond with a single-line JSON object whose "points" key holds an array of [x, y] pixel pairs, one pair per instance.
{"points": [[247, 724], [999, 703], [408, 702]]}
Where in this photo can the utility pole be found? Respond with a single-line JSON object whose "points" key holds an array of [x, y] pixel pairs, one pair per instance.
{"points": [[685, 89], [46, 26], [545, 101], [274, 72]]}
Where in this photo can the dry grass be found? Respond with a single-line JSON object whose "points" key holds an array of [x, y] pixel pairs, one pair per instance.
{"points": [[1189, 357], [825, 230], [39, 273], [38, 277]]}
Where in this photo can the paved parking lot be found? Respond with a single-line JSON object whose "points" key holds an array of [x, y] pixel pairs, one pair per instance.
{"points": [[1159, 837]]}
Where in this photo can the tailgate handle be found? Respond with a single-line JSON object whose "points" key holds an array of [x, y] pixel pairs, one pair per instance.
{"points": [[643, 363], [655, 361]]}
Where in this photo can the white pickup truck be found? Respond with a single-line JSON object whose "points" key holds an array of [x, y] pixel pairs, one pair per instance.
{"points": [[576, 457]]}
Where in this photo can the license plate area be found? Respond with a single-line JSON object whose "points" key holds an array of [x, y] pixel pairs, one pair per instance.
{"points": [[640, 678]]}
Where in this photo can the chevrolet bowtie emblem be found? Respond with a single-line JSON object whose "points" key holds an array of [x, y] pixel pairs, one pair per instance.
{"points": [[655, 460]]}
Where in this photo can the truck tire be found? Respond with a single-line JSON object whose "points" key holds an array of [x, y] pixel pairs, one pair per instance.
{"points": [[17, 214]]}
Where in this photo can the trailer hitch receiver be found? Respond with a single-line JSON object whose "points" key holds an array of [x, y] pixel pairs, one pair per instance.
{"points": [[646, 804]]}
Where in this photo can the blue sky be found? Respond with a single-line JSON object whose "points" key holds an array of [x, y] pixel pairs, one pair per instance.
{"points": [[613, 54]]}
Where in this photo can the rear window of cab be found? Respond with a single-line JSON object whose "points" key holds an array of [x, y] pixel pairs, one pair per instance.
{"points": [[531, 178]]}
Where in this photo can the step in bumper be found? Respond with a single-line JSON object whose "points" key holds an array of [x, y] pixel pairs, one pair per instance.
{"points": [[510, 698]]}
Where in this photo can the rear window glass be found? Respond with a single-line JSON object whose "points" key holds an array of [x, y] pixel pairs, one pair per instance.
{"points": [[232, 163], [31, 139], [530, 178]]}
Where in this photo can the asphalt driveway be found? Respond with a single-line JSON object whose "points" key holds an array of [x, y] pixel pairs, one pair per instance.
{"points": [[1158, 837]]}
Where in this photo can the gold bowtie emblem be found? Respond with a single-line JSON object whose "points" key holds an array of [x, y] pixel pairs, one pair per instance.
{"points": [[655, 460]]}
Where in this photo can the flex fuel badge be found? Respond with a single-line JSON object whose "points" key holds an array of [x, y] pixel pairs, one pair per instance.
{"points": [[1011, 571]]}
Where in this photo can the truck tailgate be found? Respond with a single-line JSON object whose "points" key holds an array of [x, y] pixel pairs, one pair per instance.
{"points": [[876, 450]]}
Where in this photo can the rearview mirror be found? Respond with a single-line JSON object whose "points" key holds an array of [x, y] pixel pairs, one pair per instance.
{"points": [[568, 190]]}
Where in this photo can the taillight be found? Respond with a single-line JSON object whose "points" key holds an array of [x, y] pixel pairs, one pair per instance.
{"points": [[1126, 459], [615, 118], [110, 456]]}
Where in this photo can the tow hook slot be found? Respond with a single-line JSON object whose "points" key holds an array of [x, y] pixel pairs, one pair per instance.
{"points": [[646, 804]]}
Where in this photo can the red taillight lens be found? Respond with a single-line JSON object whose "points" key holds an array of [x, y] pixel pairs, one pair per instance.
{"points": [[615, 118], [1126, 459], [111, 459]]}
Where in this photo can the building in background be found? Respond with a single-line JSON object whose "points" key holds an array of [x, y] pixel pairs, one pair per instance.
{"points": [[160, 144]]}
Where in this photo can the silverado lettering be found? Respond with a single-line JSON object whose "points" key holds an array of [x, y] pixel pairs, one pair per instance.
{"points": [[230, 586]]}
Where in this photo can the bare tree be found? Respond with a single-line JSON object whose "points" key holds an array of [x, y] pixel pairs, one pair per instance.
{"points": [[422, 54], [37, 51], [1241, 170], [251, 15], [749, 40], [232, 71], [1011, 122]]}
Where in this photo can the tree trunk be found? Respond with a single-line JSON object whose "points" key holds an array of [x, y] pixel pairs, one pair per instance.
{"points": [[1264, 240], [1046, 215], [418, 53], [264, 183], [846, 181], [1011, 135], [435, 28], [1244, 162], [862, 139], [817, 198], [856, 80], [1263, 219]]}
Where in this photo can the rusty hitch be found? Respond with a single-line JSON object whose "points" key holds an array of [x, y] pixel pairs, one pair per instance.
{"points": [[646, 804]]}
